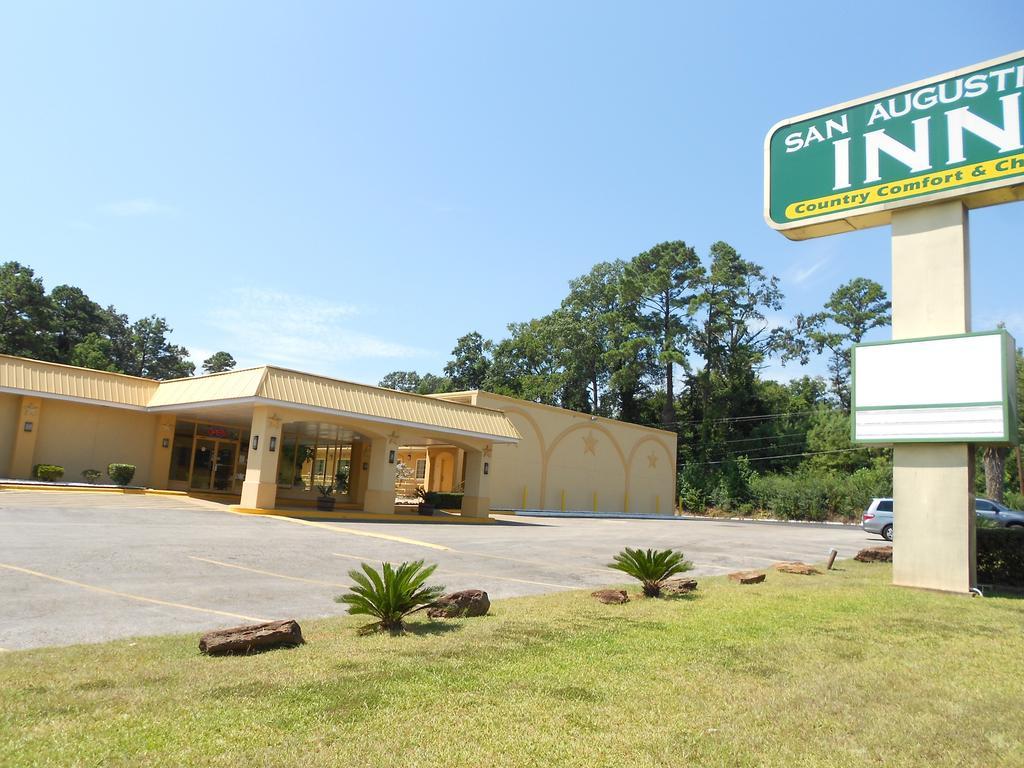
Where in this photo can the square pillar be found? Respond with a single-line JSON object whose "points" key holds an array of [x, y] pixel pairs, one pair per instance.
{"points": [[259, 489], [26, 430], [160, 460], [476, 500], [379, 496], [933, 484]]}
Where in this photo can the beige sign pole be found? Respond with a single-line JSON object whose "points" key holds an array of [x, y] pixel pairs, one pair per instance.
{"points": [[933, 483]]}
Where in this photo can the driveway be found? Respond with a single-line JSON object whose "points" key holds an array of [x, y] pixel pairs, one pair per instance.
{"points": [[78, 568]]}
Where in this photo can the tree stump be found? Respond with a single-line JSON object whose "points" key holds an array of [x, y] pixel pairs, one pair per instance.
{"points": [[251, 638]]}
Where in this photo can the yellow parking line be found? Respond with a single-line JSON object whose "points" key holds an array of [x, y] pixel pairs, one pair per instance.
{"points": [[353, 532], [140, 598], [267, 573]]}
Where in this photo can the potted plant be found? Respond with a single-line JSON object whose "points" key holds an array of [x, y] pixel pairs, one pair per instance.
{"points": [[325, 501], [426, 505], [341, 479]]}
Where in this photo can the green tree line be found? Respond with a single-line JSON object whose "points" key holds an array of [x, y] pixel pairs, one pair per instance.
{"points": [[65, 326]]}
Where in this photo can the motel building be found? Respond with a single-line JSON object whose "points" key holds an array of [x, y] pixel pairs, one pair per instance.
{"points": [[265, 438]]}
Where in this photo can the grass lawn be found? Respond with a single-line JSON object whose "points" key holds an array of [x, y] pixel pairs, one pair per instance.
{"points": [[837, 670]]}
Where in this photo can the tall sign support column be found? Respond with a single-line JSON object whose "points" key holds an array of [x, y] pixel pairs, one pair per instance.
{"points": [[917, 157], [933, 484]]}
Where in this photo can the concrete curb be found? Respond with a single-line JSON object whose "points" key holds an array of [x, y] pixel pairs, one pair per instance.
{"points": [[689, 518]]}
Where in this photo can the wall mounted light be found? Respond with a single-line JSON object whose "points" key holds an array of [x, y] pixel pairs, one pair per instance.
{"points": [[366, 465], [255, 442], [28, 426], [273, 443], [165, 443], [487, 467], [391, 457]]}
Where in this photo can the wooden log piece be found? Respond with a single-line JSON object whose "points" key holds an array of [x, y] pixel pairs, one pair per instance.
{"points": [[251, 638]]}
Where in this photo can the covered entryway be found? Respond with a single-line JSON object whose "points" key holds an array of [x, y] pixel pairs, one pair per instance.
{"points": [[279, 438]]}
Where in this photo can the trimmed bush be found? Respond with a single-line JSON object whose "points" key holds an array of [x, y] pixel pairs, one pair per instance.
{"points": [[443, 500], [1001, 556], [121, 474], [48, 472], [91, 475]]}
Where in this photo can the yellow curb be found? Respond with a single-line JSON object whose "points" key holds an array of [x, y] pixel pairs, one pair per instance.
{"points": [[140, 598], [449, 518], [89, 489]]}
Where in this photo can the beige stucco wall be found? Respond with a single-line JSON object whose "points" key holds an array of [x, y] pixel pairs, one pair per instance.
{"points": [[78, 436], [629, 468], [9, 407]]}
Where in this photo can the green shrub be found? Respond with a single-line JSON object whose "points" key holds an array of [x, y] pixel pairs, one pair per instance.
{"points": [[91, 475], [1001, 556], [48, 472], [443, 500], [651, 567], [121, 474], [1013, 500], [390, 594]]}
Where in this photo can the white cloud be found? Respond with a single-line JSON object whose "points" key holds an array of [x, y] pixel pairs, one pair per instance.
{"points": [[800, 275], [136, 207], [260, 326]]}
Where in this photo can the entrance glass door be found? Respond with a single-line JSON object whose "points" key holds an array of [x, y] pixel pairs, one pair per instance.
{"points": [[224, 466], [202, 464], [213, 465]]}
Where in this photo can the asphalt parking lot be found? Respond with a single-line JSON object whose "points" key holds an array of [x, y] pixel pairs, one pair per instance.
{"points": [[77, 568]]}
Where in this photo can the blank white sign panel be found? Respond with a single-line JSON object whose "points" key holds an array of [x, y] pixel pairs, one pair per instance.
{"points": [[965, 369]]}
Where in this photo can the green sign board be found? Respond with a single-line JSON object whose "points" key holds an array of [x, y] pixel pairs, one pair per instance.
{"points": [[846, 167]]}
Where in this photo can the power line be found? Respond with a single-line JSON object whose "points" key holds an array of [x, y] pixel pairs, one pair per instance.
{"points": [[767, 458], [731, 419]]}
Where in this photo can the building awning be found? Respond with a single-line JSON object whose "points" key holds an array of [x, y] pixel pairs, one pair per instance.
{"points": [[254, 386]]}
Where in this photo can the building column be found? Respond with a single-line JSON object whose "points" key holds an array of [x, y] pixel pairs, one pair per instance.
{"points": [[476, 500], [259, 489], [379, 497], [160, 462], [933, 488], [26, 430]]}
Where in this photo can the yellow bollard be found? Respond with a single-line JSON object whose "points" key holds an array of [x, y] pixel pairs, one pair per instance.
{"points": [[657, 505], [625, 503], [524, 497], [595, 501]]}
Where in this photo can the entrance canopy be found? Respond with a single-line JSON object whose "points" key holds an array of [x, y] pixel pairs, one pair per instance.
{"points": [[231, 397]]}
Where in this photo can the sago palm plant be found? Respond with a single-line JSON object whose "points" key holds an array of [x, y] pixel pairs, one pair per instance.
{"points": [[651, 567], [390, 594]]}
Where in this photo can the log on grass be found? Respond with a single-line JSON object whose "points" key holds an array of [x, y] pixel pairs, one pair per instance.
{"points": [[251, 637]]}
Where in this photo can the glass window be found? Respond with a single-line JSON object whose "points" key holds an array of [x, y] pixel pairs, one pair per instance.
{"points": [[181, 457], [885, 505], [286, 461], [984, 506], [421, 469], [185, 428]]}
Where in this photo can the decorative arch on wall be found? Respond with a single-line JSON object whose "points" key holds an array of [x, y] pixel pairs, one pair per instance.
{"points": [[540, 441], [649, 439], [576, 428]]}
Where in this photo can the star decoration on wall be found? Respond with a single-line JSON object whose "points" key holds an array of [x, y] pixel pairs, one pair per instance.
{"points": [[590, 444], [393, 438], [488, 450], [652, 461]]}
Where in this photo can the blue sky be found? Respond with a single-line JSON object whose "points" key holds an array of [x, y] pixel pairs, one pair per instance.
{"points": [[347, 188]]}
